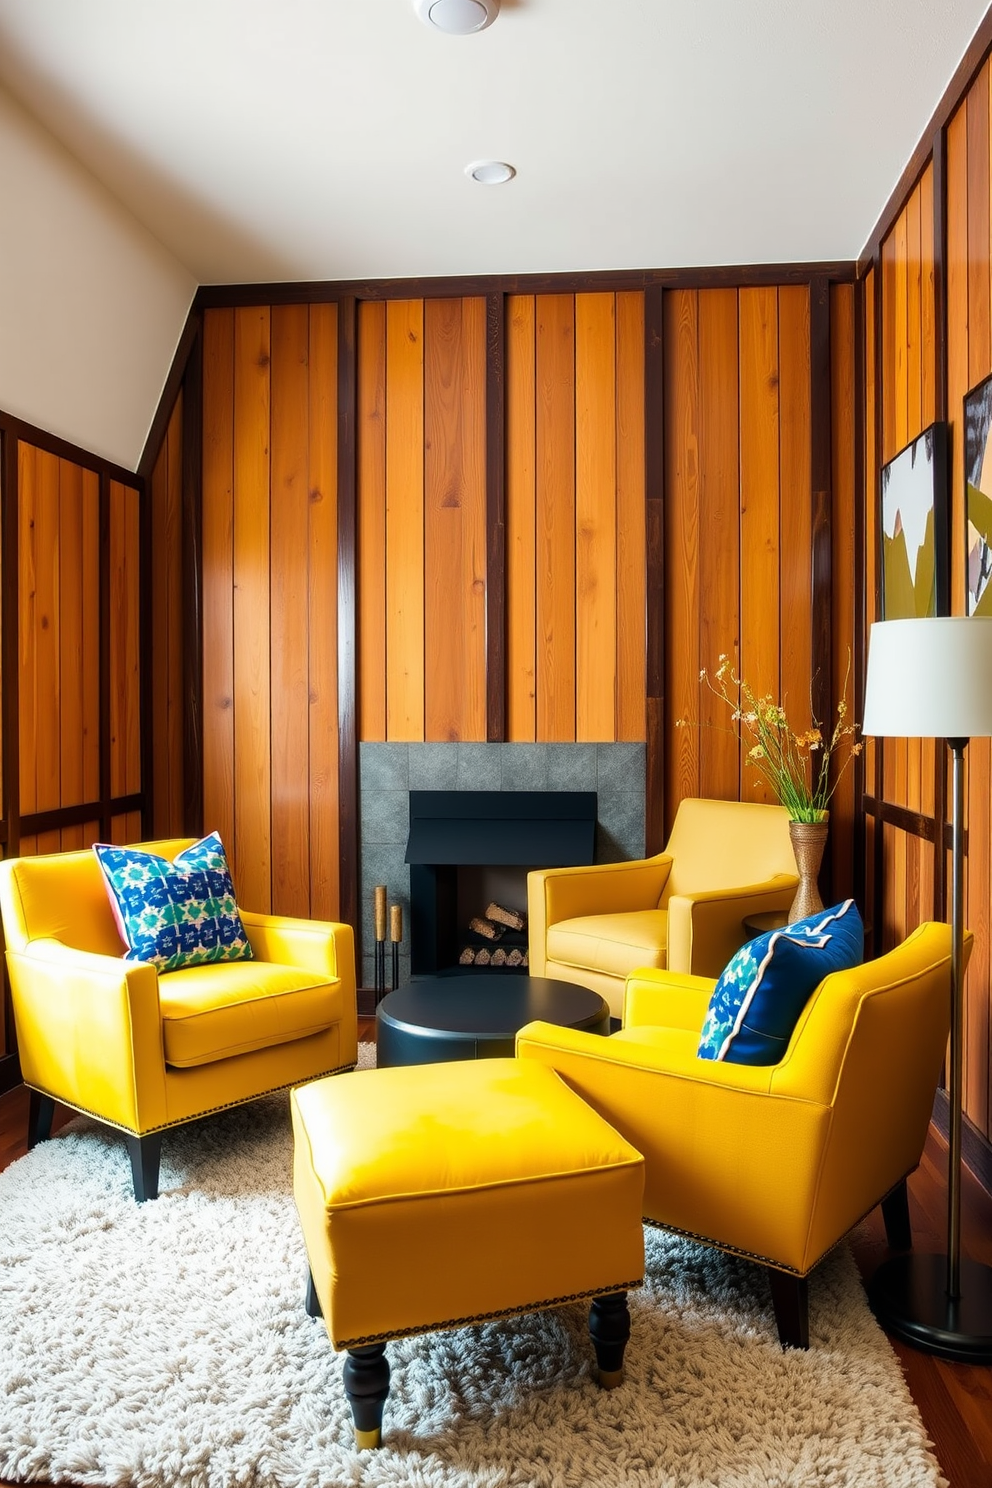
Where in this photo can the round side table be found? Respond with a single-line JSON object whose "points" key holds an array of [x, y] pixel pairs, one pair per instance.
{"points": [[435, 1019]]}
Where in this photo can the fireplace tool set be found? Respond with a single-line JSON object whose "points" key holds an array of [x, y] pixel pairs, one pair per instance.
{"points": [[395, 937]]}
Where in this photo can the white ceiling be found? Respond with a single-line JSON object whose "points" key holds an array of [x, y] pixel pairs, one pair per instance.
{"points": [[326, 139]]}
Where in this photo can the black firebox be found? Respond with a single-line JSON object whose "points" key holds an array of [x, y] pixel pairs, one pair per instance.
{"points": [[465, 843]]}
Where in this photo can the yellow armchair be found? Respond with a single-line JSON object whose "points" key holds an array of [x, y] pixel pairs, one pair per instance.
{"points": [[144, 1051], [774, 1162], [680, 910]]}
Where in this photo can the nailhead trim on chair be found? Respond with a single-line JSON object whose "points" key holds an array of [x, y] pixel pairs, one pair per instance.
{"points": [[486, 1317], [210, 1110], [750, 1255]]}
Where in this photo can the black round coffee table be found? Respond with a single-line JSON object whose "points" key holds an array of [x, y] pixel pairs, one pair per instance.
{"points": [[434, 1019]]}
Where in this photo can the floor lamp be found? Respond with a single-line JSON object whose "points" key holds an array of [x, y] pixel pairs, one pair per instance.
{"points": [[932, 679]]}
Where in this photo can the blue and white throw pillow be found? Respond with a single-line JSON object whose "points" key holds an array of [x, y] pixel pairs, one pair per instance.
{"points": [[174, 914], [761, 992]]}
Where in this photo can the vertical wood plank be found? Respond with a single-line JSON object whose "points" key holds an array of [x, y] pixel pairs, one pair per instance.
{"points": [[495, 515], [70, 639], [795, 592], [165, 494], [27, 627], [914, 315], [521, 518], [218, 577], [346, 511], [405, 520], [289, 586], [372, 518], [631, 657], [720, 520], [117, 596], [324, 806], [928, 335], [658, 726], [900, 390], [979, 331], [681, 597], [556, 518], [957, 330], [132, 643], [454, 519], [760, 494], [844, 601], [172, 578], [252, 769], [595, 517], [887, 349], [871, 529], [90, 648]]}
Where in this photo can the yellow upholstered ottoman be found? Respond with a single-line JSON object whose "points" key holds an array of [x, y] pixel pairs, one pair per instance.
{"points": [[437, 1195]]}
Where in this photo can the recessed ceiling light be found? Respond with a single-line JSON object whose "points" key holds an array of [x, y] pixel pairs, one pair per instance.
{"points": [[457, 17], [490, 172]]}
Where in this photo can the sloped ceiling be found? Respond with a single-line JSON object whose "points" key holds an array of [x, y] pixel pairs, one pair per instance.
{"points": [[327, 139]]}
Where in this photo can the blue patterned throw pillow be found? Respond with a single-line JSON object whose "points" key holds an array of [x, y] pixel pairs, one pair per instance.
{"points": [[757, 1001], [174, 914]]}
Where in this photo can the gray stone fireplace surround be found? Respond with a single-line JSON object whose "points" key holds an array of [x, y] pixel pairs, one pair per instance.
{"points": [[388, 772]]}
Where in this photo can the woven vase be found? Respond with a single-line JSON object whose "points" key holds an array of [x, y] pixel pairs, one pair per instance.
{"points": [[808, 841]]}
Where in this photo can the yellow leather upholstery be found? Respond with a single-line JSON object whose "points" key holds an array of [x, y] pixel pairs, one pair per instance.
{"points": [[432, 1196], [681, 910], [144, 1051], [776, 1162]]}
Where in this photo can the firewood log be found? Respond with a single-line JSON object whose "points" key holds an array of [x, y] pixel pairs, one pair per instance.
{"points": [[486, 928], [508, 917]]}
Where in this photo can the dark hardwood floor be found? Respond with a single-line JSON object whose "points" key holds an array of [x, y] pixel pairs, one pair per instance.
{"points": [[955, 1400]]}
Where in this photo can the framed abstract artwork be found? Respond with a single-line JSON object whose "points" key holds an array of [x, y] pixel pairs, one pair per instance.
{"points": [[978, 498], [913, 514]]}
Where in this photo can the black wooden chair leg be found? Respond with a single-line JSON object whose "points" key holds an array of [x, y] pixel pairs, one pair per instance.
{"points": [[790, 1298], [895, 1213], [313, 1306], [609, 1329], [41, 1109], [366, 1384], [145, 1154]]}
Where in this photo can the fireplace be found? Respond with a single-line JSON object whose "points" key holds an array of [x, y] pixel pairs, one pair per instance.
{"points": [[469, 853], [388, 772]]}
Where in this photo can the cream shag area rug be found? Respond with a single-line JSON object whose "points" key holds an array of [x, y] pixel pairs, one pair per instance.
{"points": [[167, 1344]]}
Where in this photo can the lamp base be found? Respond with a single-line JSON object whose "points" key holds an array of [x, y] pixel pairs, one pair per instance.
{"points": [[908, 1295]]}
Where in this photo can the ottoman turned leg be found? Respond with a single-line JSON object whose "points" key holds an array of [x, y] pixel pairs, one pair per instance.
{"points": [[609, 1329], [366, 1384]]}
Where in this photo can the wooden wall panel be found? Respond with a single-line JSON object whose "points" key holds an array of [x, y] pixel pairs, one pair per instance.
{"points": [[59, 671], [556, 682], [252, 599], [404, 546], [719, 531], [167, 627], [595, 517], [371, 417], [631, 662], [289, 619], [125, 697], [521, 518], [682, 517], [738, 528], [921, 334], [454, 540], [218, 576], [843, 607], [576, 522], [270, 555], [324, 741]]}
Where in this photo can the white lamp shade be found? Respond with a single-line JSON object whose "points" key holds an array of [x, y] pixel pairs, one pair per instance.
{"points": [[929, 679]]}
